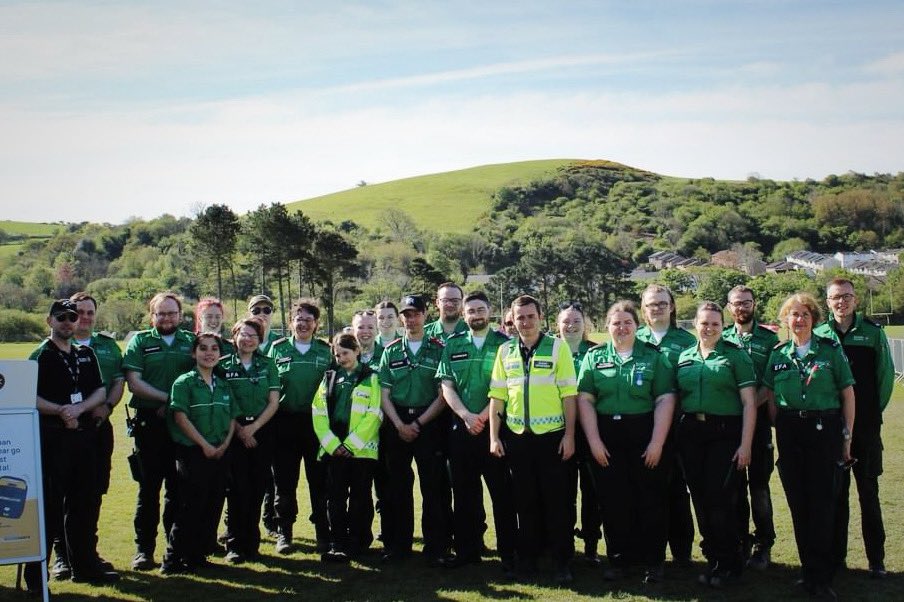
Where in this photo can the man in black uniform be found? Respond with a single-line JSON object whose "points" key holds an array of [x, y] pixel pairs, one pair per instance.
{"points": [[69, 389]]}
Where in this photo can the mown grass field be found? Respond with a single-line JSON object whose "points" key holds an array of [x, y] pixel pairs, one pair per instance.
{"points": [[25, 229], [302, 576], [454, 199]]}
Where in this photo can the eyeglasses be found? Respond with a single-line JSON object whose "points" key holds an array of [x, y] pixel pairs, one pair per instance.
{"points": [[847, 298], [66, 318], [571, 304], [658, 305], [742, 304], [167, 314], [266, 310], [247, 334], [452, 300], [305, 320], [365, 312]]}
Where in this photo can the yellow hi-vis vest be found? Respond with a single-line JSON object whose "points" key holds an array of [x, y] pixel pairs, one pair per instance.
{"points": [[534, 396], [365, 418]]}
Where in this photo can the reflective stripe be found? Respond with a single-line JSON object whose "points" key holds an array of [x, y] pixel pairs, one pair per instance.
{"points": [[515, 381], [318, 411], [327, 439], [543, 380], [497, 384], [567, 382], [355, 440], [361, 408]]}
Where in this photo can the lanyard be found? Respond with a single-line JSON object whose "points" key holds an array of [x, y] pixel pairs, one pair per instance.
{"points": [[71, 362]]}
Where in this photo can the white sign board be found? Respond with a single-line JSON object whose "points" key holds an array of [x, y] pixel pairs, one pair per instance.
{"points": [[21, 494]]}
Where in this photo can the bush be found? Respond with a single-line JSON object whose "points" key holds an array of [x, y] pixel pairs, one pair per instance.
{"points": [[20, 326]]}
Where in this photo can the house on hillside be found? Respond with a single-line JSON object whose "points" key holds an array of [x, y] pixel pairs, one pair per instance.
{"points": [[871, 267], [733, 260], [662, 260], [812, 263], [780, 267]]}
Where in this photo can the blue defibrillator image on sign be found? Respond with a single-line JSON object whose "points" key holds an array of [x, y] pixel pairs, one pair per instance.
{"points": [[12, 497]]}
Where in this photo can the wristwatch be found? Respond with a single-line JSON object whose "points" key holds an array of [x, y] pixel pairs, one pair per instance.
{"points": [[846, 433]]}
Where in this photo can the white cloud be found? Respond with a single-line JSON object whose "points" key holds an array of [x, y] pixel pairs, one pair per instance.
{"points": [[890, 65]]}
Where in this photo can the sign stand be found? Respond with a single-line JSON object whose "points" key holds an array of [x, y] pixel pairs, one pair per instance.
{"points": [[22, 528]]}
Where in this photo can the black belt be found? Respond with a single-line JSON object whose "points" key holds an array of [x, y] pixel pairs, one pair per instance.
{"points": [[808, 413], [703, 416], [625, 417]]}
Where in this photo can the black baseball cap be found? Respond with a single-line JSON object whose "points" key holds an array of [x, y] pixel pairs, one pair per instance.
{"points": [[63, 306], [415, 302]]}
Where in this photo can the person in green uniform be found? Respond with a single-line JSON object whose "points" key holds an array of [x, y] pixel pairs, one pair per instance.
{"points": [[809, 386], [464, 374], [364, 327], [661, 329], [758, 341], [717, 388], [301, 360], [448, 302], [154, 359], [201, 424], [533, 389], [347, 417], [412, 405], [387, 322], [866, 346], [109, 357], [209, 314], [261, 307], [255, 388], [572, 326], [626, 397]]}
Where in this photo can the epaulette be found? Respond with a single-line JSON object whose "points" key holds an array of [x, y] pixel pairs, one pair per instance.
{"points": [[458, 334], [766, 328], [106, 335], [652, 345], [827, 340], [873, 322], [779, 344], [322, 342], [279, 341], [597, 346], [438, 341], [731, 344], [392, 342]]}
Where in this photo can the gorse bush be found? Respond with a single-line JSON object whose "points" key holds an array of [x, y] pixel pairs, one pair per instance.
{"points": [[17, 325]]}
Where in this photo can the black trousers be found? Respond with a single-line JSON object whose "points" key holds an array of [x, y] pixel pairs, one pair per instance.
{"points": [[246, 483], [590, 512], [632, 497], [156, 449], [808, 451], [679, 519], [350, 504], [427, 451], [541, 487], [759, 505], [295, 441], [469, 460], [201, 483], [706, 449], [68, 467], [867, 448]]}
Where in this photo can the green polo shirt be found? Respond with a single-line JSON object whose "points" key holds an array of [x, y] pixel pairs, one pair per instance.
{"points": [[109, 357], [813, 382], [299, 374], [374, 362], [470, 368], [435, 330], [272, 337], [672, 344], [758, 344], [210, 411], [713, 385], [578, 356], [411, 377], [158, 363], [250, 387], [628, 386]]}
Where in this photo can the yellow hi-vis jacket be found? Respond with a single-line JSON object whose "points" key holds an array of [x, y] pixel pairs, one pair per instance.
{"points": [[364, 417], [533, 394]]}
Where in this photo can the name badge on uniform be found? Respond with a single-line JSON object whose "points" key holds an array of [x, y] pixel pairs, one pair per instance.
{"points": [[459, 356], [284, 360], [75, 398], [604, 365], [780, 367], [155, 349], [685, 364], [398, 364], [542, 364]]}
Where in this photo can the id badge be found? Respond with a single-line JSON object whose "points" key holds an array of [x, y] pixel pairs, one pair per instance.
{"points": [[75, 398]]}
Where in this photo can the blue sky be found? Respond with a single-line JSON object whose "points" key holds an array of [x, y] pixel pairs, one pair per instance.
{"points": [[113, 109]]}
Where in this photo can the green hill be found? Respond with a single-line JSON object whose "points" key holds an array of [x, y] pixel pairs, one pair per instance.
{"points": [[455, 199], [27, 229]]}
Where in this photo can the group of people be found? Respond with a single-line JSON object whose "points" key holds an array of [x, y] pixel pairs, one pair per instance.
{"points": [[634, 423]]}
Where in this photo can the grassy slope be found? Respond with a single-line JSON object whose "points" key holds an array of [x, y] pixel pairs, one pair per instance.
{"points": [[454, 199], [27, 228], [301, 575]]}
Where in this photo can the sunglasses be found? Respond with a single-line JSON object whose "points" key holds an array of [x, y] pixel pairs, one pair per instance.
{"points": [[509, 324], [66, 318], [571, 304], [266, 310], [365, 312]]}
